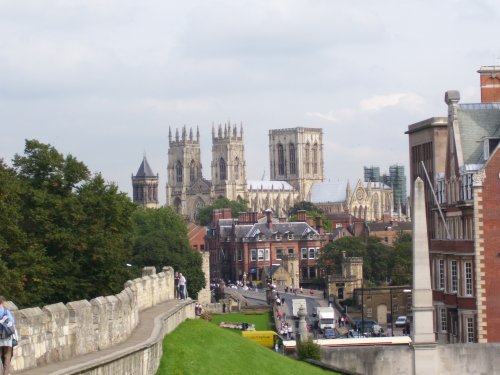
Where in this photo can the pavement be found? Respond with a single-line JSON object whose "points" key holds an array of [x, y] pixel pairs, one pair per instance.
{"points": [[141, 337]]}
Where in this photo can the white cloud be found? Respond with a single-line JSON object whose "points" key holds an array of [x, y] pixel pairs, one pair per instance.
{"points": [[408, 101]]}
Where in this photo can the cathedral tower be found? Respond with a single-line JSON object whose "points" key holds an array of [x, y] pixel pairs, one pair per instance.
{"points": [[228, 163], [184, 170], [145, 186], [296, 156]]}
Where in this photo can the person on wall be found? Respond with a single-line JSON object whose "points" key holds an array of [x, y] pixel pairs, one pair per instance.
{"points": [[182, 286], [7, 335]]}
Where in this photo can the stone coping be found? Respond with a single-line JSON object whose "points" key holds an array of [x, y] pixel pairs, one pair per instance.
{"points": [[150, 331]]}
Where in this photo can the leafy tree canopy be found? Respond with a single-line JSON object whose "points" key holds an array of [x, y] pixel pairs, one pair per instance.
{"points": [[160, 238], [67, 234], [312, 211], [381, 263], [205, 213]]}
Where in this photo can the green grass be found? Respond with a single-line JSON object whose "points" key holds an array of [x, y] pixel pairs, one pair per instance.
{"points": [[198, 347], [262, 321]]}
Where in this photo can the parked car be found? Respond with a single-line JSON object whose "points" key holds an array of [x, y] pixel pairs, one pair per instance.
{"points": [[364, 325], [329, 333], [401, 321]]}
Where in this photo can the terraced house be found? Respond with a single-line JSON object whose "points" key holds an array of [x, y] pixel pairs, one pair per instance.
{"points": [[247, 248]]}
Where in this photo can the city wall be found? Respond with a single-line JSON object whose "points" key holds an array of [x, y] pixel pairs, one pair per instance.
{"points": [[451, 359], [61, 331]]}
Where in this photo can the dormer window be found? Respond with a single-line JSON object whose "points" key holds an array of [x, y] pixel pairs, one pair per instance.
{"points": [[489, 146], [310, 236], [290, 236], [278, 236]]}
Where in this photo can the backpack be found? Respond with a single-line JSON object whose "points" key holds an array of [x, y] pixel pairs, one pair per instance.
{"points": [[6, 327]]}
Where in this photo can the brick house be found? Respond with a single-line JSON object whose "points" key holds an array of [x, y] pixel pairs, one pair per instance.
{"points": [[464, 240], [241, 249]]}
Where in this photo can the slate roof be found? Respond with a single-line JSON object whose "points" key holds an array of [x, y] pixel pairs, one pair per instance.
{"points": [[145, 170], [477, 121], [329, 192], [252, 230]]}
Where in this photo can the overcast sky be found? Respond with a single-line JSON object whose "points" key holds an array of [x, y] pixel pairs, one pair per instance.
{"points": [[104, 79]]}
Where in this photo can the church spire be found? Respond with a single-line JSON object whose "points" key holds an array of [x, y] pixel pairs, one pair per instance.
{"points": [[197, 134], [169, 135]]}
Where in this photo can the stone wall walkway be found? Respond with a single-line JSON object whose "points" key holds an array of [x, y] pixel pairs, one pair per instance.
{"points": [[140, 338]]}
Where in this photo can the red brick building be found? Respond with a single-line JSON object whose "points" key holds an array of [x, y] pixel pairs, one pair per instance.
{"points": [[464, 216], [243, 248]]}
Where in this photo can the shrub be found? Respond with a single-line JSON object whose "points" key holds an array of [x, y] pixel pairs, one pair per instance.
{"points": [[206, 315], [308, 350]]}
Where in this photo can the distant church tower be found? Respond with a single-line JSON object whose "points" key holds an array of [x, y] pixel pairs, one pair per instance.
{"points": [[228, 163], [145, 186], [184, 168], [296, 156]]}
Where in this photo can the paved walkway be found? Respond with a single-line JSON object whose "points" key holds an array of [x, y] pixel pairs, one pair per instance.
{"points": [[139, 338]]}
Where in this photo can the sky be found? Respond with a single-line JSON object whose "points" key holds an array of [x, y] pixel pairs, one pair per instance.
{"points": [[103, 80]]}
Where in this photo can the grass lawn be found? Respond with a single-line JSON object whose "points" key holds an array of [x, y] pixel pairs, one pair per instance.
{"points": [[262, 321], [199, 347]]}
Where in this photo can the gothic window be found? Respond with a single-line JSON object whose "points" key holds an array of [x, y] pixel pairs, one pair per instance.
{"points": [[291, 151], [236, 169], [307, 157], [178, 171], [281, 160], [315, 159], [222, 169], [192, 171]]}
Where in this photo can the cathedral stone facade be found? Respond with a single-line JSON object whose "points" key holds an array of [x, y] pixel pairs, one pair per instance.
{"points": [[296, 159], [145, 186]]}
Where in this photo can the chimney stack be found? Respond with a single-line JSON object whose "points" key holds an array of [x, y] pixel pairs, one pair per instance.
{"points": [[489, 77], [301, 215], [269, 217]]}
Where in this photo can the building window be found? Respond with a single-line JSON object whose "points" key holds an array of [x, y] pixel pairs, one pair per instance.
{"points": [[192, 171], [290, 236], [312, 253], [279, 253], [466, 192], [278, 236], [444, 322], [312, 273], [468, 278], [222, 169], [395, 309], [291, 151], [315, 159], [290, 251], [305, 274], [178, 171], [261, 255], [253, 255], [308, 161], [317, 253], [454, 276], [470, 329], [240, 254], [369, 312], [441, 274], [281, 160], [236, 169], [304, 253], [267, 254]]}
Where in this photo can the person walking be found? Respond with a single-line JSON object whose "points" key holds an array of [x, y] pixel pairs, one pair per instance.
{"points": [[182, 286], [6, 348]]}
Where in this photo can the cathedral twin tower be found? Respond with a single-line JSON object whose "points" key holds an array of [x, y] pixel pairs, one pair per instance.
{"points": [[296, 162]]}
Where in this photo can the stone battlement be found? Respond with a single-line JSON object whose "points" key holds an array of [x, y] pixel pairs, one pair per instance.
{"points": [[60, 331]]}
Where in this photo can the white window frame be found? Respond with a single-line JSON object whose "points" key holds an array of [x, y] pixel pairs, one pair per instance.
{"points": [[312, 251], [443, 321], [303, 253], [454, 276], [253, 255], [317, 253], [279, 253], [469, 329], [441, 274], [291, 252], [290, 236], [468, 285], [267, 254], [260, 255]]}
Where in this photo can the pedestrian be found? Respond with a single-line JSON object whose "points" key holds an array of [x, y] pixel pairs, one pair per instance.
{"points": [[407, 328], [7, 336], [176, 285], [342, 321], [182, 286]]}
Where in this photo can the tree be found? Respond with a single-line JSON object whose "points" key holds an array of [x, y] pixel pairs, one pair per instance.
{"points": [[401, 261], [330, 258], [311, 211], [205, 213], [160, 239], [69, 233]]}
